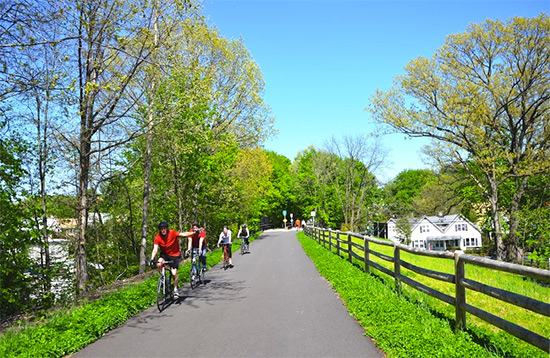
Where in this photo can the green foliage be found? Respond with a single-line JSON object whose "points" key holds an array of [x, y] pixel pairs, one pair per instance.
{"points": [[16, 236], [314, 192], [281, 194], [68, 332], [404, 189]]}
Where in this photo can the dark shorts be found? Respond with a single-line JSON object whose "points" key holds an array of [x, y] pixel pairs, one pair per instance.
{"points": [[175, 260]]}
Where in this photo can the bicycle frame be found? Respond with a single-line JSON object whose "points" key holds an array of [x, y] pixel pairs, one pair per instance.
{"points": [[244, 246], [196, 273], [225, 256], [164, 287]]}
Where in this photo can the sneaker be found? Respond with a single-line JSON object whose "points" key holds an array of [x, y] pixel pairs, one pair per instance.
{"points": [[176, 293]]}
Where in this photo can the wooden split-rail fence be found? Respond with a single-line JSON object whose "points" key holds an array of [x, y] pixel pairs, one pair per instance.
{"points": [[343, 243]]}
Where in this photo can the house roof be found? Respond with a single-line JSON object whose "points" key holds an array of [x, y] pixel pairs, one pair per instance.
{"points": [[442, 223]]}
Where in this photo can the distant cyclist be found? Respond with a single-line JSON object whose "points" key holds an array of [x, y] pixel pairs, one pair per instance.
{"points": [[167, 241], [225, 239], [197, 240], [243, 233]]}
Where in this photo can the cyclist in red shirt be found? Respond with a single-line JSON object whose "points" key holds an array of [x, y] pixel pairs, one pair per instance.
{"points": [[167, 241], [197, 239]]}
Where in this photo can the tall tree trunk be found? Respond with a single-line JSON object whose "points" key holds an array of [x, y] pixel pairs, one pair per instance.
{"points": [[146, 194], [83, 178], [84, 148], [514, 252], [497, 225], [147, 158], [41, 130]]}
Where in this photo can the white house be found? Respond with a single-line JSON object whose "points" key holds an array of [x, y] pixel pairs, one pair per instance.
{"points": [[439, 233]]}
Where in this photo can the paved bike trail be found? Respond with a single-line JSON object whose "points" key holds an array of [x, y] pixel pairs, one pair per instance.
{"points": [[272, 303]]}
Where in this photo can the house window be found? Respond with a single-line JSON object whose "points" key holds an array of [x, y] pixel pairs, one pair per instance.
{"points": [[461, 227], [467, 241], [424, 228]]}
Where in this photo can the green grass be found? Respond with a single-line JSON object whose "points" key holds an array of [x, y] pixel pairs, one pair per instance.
{"points": [[500, 341]]}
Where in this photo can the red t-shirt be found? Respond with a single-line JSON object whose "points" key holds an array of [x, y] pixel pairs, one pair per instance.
{"points": [[196, 239], [170, 246]]}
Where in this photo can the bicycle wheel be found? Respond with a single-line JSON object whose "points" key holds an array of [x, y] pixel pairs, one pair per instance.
{"points": [[225, 258], [193, 276], [168, 286], [243, 247], [201, 274], [161, 289]]}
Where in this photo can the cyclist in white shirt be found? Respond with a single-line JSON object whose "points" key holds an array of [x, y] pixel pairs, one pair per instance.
{"points": [[225, 238]]}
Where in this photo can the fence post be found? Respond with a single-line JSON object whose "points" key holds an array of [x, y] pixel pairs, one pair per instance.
{"points": [[460, 293], [366, 255], [397, 268], [349, 249], [330, 241], [338, 246]]}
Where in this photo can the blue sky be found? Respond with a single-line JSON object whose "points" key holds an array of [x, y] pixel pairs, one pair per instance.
{"points": [[323, 59]]}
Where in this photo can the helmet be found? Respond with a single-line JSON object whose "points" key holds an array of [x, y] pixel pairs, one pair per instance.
{"points": [[162, 224], [243, 225]]}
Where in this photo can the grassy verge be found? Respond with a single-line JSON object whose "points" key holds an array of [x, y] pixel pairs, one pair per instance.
{"points": [[479, 329], [401, 326], [68, 330]]}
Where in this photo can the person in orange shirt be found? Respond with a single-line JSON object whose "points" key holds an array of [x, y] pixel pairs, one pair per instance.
{"points": [[167, 241], [297, 224]]}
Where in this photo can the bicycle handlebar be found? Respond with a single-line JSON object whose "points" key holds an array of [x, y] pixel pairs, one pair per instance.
{"points": [[155, 262]]}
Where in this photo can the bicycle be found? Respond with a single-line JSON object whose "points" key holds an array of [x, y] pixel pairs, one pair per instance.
{"points": [[196, 274], [244, 246], [165, 292], [225, 256]]}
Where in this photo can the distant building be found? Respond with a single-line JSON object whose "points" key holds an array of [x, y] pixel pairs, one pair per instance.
{"points": [[61, 233], [439, 233]]}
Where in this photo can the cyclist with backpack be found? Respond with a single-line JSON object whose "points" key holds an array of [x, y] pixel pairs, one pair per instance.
{"points": [[197, 239], [167, 241], [225, 239], [244, 234]]}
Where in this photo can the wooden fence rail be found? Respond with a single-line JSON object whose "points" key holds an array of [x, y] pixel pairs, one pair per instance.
{"points": [[343, 243]]}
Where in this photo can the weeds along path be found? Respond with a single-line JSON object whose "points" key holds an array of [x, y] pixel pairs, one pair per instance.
{"points": [[272, 303]]}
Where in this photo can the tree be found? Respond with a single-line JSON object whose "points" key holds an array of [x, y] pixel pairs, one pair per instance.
{"points": [[233, 80], [404, 189], [314, 191], [281, 193], [252, 175], [483, 98], [350, 169]]}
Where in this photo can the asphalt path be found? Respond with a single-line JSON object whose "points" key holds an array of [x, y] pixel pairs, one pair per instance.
{"points": [[272, 303]]}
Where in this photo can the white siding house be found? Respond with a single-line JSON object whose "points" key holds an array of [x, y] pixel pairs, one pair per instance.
{"points": [[439, 233]]}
